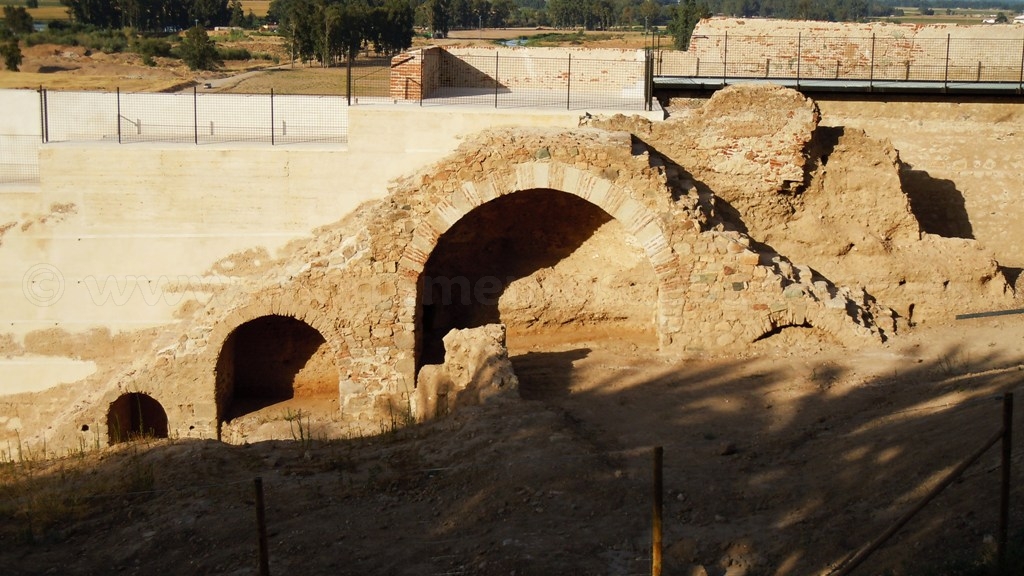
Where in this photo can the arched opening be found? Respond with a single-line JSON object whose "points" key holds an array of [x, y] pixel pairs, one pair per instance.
{"points": [[135, 415], [270, 360], [543, 262]]}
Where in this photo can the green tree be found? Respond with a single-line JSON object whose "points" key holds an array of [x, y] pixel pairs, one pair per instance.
{"points": [[32, 4], [11, 53], [198, 50], [18, 20], [237, 14], [687, 14], [650, 11], [440, 17], [1001, 18]]}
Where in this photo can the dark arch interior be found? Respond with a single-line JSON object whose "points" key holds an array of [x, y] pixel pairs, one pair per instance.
{"points": [[269, 360], [506, 239], [135, 415]]}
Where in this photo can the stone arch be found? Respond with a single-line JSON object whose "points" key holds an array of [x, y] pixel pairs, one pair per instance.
{"points": [[135, 415], [267, 354], [637, 219]]}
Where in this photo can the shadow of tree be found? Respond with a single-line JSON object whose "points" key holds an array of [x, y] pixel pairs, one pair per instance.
{"points": [[777, 466]]}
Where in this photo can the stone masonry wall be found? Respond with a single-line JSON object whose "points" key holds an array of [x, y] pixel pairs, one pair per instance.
{"points": [[356, 282], [878, 50]]}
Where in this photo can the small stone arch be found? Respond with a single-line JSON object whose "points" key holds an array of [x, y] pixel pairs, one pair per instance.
{"points": [[135, 415], [271, 358], [638, 220]]}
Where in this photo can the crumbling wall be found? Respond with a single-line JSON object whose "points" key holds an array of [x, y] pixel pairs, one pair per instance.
{"points": [[476, 369], [358, 282], [827, 198]]}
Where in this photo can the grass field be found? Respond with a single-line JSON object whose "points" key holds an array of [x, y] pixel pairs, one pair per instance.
{"points": [[963, 16], [366, 81]]}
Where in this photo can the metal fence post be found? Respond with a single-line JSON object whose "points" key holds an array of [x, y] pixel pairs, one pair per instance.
{"points": [[195, 114], [945, 79], [871, 69], [1020, 88], [568, 86], [42, 114], [348, 78], [495, 79], [271, 116], [118, 114], [725, 60]]}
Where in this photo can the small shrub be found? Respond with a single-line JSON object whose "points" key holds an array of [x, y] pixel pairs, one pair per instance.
{"points": [[233, 53]]}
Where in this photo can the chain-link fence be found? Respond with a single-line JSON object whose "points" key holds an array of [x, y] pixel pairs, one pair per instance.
{"points": [[509, 81], [809, 57]]}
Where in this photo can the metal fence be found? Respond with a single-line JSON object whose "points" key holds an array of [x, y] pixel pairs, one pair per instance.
{"points": [[850, 58], [19, 158], [502, 81], [193, 117]]}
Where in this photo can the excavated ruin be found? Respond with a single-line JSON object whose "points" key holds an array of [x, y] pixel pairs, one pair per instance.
{"points": [[702, 234]]}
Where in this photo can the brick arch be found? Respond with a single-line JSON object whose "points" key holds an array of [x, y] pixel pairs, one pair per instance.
{"points": [[636, 218], [298, 311]]}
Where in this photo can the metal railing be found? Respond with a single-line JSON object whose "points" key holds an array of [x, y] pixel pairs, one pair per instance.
{"points": [[874, 58]]}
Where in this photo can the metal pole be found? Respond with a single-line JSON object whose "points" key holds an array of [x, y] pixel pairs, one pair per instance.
{"points": [[871, 70], [1021, 87], [495, 79], [945, 79], [195, 114], [861, 556], [46, 116], [1004, 492], [118, 114], [42, 114], [725, 60], [656, 520], [271, 116], [348, 78], [568, 85], [261, 530]]}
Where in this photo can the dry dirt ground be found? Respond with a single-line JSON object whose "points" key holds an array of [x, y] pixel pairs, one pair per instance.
{"points": [[781, 461]]}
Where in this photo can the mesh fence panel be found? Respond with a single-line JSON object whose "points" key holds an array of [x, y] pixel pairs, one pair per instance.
{"points": [[371, 79], [300, 119], [571, 83], [78, 116], [157, 117], [19, 158]]}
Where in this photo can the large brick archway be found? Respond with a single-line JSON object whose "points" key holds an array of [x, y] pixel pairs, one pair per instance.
{"points": [[622, 204]]}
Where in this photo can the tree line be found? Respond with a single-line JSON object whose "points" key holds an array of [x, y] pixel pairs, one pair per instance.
{"points": [[332, 30]]}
